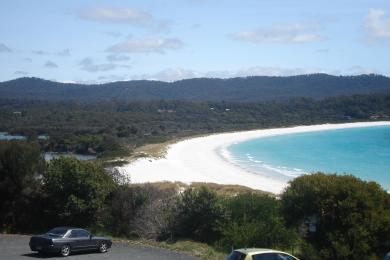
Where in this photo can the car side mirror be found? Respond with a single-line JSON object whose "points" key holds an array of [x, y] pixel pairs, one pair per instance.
{"points": [[90, 236]]}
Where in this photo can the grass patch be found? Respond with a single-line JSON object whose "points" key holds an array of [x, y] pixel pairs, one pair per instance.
{"points": [[188, 247], [220, 189]]}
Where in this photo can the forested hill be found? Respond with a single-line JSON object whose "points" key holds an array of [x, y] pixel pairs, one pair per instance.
{"points": [[258, 88]]}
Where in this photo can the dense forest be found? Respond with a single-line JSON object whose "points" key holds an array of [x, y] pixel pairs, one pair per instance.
{"points": [[248, 89], [110, 128], [318, 216]]}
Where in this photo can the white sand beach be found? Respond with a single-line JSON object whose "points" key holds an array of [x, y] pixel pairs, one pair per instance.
{"points": [[197, 160]]}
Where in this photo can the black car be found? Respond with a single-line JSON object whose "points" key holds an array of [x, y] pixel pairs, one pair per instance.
{"points": [[64, 240]]}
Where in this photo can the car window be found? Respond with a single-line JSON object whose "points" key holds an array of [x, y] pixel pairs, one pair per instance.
{"points": [[83, 233], [265, 256], [235, 255], [284, 257], [79, 233], [57, 232], [272, 256], [73, 234]]}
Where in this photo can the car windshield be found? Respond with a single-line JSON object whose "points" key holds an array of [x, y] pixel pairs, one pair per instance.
{"points": [[235, 255], [57, 232]]}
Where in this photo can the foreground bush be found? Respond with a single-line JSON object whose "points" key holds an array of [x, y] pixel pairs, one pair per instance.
{"points": [[255, 221], [21, 168], [75, 191], [199, 212], [341, 217]]}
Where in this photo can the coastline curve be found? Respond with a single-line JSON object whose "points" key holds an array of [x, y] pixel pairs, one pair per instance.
{"points": [[198, 159]]}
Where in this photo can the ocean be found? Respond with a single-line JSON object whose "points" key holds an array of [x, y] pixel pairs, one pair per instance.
{"points": [[363, 152]]}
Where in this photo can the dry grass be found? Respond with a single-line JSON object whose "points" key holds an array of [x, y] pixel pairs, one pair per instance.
{"points": [[191, 248], [220, 189]]}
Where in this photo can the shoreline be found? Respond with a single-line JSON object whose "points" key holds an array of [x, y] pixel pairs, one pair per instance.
{"points": [[197, 159]]}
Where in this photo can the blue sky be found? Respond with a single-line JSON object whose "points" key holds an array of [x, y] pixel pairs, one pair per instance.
{"points": [[100, 41]]}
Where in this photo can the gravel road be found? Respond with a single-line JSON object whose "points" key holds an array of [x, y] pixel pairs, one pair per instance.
{"points": [[15, 247]]}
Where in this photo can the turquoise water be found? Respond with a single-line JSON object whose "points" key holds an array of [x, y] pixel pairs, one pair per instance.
{"points": [[363, 152], [6, 136], [82, 157]]}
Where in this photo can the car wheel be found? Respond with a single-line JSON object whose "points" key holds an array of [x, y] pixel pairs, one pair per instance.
{"points": [[103, 247], [65, 250]]}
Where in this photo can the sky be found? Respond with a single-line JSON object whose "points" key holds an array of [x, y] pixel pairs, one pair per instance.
{"points": [[102, 41]]}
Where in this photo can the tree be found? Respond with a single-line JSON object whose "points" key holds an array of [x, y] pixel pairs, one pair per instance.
{"points": [[155, 219], [75, 191], [348, 218], [255, 220], [199, 212], [121, 209], [21, 168]]}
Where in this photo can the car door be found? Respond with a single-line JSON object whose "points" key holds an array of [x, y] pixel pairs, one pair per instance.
{"points": [[73, 240], [84, 239]]}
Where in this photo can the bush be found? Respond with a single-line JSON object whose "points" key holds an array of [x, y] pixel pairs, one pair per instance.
{"points": [[255, 221], [156, 217], [75, 191], [199, 212], [21, 169], [351, 217]]}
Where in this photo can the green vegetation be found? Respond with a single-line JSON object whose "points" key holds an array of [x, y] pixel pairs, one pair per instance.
{"points": [[247, 89], [113, 128], [351, 217], [74, 191], [189, 247], [255, 221], [318, 216], [198, 215], [21, 167]]}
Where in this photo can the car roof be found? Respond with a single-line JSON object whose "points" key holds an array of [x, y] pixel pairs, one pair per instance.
{"points": [[70, 228], [252, 251]]}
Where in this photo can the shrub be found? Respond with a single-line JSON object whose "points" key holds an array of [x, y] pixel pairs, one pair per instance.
{"points": [[199, 212], [21, 169], [351, 217], [75, 191], [255, 221]]}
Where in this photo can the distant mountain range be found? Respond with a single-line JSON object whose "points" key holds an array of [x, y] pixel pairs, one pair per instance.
{"points": [[257, 88]]}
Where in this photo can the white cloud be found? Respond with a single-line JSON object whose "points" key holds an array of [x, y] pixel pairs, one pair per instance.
{"points": [[131, 16], [64, 52], [377, 25], [39, 52], [112, 78], [111, 14], [113, 34], [275, 71], [87, 64], [4, 48], [149, 45], [20, 72], [51, 65], [291, 33], [174, 74], [117, 57], [358, 70], [171, 74]]}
